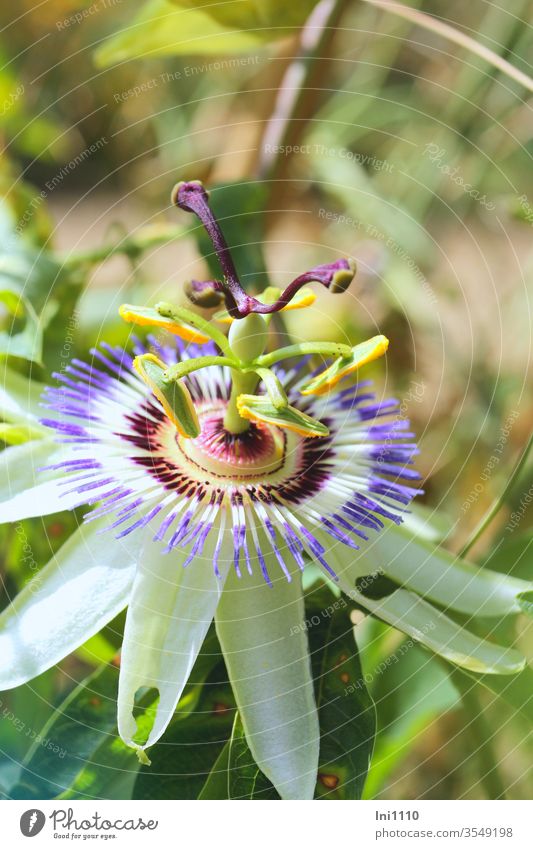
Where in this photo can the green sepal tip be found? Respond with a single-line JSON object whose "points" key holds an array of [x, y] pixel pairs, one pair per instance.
{"points": [[259, 408], [173, 395], [360, 355]]}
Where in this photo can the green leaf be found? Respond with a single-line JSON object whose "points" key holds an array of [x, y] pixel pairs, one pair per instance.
{"points": [[362, 196], [74, 732], [23, 711], [44, 292], [410, 690], [239, 209], [512, 555], [22, 333], [244, 779], [254, 14], [346, 710], [30, 272], [21, 208], [517, 692], [216, 785], [162, 29], [235, 775]]}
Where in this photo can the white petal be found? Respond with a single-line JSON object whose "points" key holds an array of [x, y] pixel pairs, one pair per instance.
{"points": [[82, 588], [26, 492], [426, 523], [19, 464], [169, 614], [267, 656], [429, 626], [419, 619], [434, 572]]}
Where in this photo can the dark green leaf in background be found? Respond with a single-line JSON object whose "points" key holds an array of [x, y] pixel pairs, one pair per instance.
{"points": [[21, 334], [82, 723], [239, 210], [235, 775], [182, 760], [78, 753], [346, 711], [513, 555], [245, 779], [411, 690], [516, 691], [39, 295]]}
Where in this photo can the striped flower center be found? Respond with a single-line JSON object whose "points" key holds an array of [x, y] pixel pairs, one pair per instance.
{"points": [[258, 452], [262, 461]]}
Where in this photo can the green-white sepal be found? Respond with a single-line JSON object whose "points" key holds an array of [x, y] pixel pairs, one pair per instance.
{"points": [[26, 490], [418, 618], [428, 626], [436, 574], [81, 589], [169, 614], [267, 656]]}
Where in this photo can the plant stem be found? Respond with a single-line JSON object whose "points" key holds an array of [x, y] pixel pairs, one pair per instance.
{"points": [[241, 384], [284, 122], [326, 349], [185, 367], [480, 734], [132, 246], [201, 324], [499, 501]]}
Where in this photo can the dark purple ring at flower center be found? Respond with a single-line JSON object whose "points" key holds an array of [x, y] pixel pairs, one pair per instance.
{"points": [[256, 452], [269, 463]]}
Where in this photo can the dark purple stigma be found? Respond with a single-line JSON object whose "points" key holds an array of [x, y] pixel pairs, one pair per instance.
{"points": [[335, 276]]}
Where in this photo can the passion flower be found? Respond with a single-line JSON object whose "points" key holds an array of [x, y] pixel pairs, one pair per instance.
{"points": [[213, 475]]}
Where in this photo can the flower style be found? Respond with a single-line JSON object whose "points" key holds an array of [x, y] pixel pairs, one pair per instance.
{"points": [[213, 477]]}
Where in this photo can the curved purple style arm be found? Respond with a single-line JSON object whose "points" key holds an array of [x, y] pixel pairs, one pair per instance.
{"points": [[336, 276]]}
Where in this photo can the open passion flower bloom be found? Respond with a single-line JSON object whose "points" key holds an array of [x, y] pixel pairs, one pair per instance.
{"points": [[214, 477]]}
